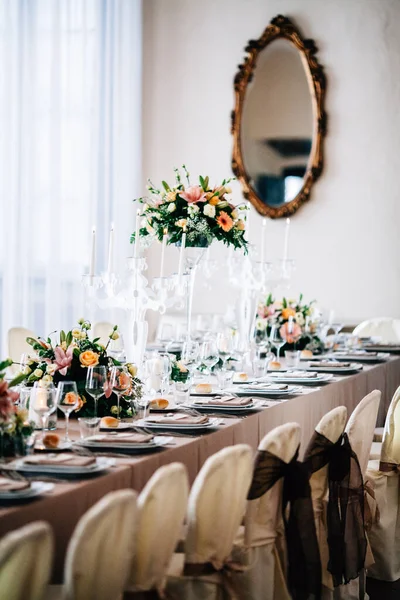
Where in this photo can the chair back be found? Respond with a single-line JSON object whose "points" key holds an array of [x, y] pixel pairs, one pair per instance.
{"points": [[26, 556], [390, 451], [102, 330], [161, 511], [101, 549], [263, 514], [384, 327], [217, 503], [17, 344], [361, 425]]}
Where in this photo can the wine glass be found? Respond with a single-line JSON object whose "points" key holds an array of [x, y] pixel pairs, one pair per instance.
{"points": [[276, 339], [120, 383], [224, 347], [96, 379], [209, 354], [67, 400], [190, 355], [43, 403], [336, 330]]}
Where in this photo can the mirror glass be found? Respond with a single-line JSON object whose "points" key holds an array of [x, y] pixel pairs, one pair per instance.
{"points": [[277, 124]]}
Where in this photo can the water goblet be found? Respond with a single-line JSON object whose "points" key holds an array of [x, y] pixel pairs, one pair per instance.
{"points": [[190, 355], [96, 379], [120, 383], [44, 404], [67, 401], [276, 339]]}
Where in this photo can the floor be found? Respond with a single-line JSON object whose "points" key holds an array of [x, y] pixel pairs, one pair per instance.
{"points": [[383, 590]]}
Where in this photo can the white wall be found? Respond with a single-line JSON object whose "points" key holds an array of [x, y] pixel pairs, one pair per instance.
{"points": [[346, 240]]}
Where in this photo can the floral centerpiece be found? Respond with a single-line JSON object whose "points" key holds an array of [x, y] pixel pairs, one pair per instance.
{"points": [[179, 372], [298, 322], [205, 213], [14, 425], [69, 360]]}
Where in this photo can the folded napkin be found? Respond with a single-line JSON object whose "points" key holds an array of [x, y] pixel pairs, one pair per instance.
{"points": [[225, 401], [61, 460], [178, 419], [331, 364], [10, 485], [124, 438], [294, 375], [268, 386]]}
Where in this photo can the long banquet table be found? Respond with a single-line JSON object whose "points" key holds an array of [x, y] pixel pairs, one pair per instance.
{"points": [[64, 506]]}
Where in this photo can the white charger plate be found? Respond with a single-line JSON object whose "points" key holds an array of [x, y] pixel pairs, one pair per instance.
{"points": [[122, 426], [362, 358], [222, 408], [266, 392], [101, 464], [157, 442], [36, 489], [335, 370], [322, 378], [178, 426]]}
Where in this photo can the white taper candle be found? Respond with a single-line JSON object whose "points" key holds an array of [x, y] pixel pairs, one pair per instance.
{"points": [[163, 244], [110, 265], [137, 236], [286, 242], [93, 253]]}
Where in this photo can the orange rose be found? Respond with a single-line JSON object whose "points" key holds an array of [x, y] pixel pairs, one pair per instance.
{"points": [[288, 312], [89, 359], [214, 200], [81, 402], [70, 398]]}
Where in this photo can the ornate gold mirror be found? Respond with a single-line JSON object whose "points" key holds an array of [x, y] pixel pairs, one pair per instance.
{"points": [[279, 121]]}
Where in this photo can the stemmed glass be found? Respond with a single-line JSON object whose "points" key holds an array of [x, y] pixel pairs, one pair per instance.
{"points": [[190, 355], [225, 349], [67, 400], [96, 379], [336, 329], [120, 383], [276, 339], [44, 404], [209, 354]]}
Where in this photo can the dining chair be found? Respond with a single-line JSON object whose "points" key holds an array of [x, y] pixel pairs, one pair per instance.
{"points": [[216, 506], [161, 511], [387, 329], [383, 474], [17, 345], [259, 545], [100, 551], [26, 557], [102, 330], [331, 428]]}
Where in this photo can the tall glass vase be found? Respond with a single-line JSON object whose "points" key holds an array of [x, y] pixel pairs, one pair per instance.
{"points": [[137, 307], [193, 256]]}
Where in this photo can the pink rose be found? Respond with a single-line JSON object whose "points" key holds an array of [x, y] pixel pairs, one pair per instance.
{"points": [[291, 335], [193, 194]]}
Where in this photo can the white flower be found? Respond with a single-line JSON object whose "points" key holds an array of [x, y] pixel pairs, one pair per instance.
{"points": [[26, 370], [47, 379], [234, 214], [181, 223], [38, 373], [51, 369], [209, 211], [115, 335], [171, 207], [114, 410], [300, 319], [83, 335], [76, 333], [228, 190], [193, 209]]}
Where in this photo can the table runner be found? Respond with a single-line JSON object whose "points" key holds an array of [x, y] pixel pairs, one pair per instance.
{"points": [[63, 507]]}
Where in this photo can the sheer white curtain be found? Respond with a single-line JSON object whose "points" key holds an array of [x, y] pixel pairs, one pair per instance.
{"points": [[70, 140]]}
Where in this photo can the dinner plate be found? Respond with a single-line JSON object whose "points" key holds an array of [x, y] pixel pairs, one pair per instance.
{"points": [[157, 442], [335, 370], [35, 489], [101, 464], [362, 358], [383, 348], [178, 426], [122, 426], [267, 392], [222, 408], [62, 446], [321, 378]]}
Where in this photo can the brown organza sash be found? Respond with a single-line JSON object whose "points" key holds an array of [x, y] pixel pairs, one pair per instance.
{"points": [[304, 564], [345, 514]]}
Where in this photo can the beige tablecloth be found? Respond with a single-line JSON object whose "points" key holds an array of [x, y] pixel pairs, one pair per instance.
{"points": [[63, 507]]}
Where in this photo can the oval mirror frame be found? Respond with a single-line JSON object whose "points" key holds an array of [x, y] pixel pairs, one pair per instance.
{"points": [[281, 27]]}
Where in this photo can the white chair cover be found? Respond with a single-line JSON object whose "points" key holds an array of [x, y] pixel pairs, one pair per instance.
{"points": [[102, 330], [101, 550], [216, 506], [25, 562], [260, 544], [330, 426], [383, 327], [17, 345], [384, 475], [161, 511]]}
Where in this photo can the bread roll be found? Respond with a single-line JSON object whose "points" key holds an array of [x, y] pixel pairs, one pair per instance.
{"points": [[241, 377], [159, 403], [111, 422], [203, 388], [51, 440], [306, 354], [274, 365]]}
